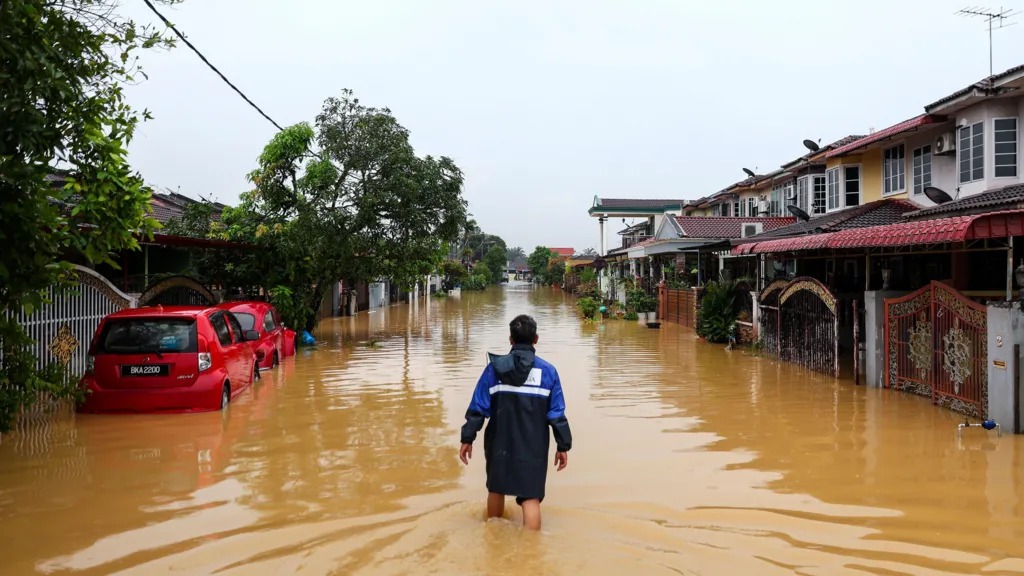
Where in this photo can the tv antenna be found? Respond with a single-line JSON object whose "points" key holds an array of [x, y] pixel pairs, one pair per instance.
{"points": [[1000, 18]]}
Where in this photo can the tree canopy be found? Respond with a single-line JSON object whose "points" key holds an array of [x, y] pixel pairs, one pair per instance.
{"points": [[344, 198], [63, 112]]}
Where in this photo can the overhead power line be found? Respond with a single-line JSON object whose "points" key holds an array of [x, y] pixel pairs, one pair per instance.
{"points": [[211, 66]]}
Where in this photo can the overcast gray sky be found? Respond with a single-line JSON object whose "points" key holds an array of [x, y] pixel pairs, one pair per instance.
{"points": [[546, 103]]}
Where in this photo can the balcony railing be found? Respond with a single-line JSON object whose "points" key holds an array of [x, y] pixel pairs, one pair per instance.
{"points": [[628, 241]]}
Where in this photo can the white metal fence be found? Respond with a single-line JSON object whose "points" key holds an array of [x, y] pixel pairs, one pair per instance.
{"points": [[64, 325]]}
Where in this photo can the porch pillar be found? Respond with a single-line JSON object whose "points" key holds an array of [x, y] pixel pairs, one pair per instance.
{"points": [[1009, 269], [601, 244]]}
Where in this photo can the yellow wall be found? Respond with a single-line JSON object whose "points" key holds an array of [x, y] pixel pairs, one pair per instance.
{"points": [[870, 174]]}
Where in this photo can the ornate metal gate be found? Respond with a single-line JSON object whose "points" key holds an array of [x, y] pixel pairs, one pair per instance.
{"points": [[936, 345], [768, 306], [177, 290], [63, 328], [808, 326]]}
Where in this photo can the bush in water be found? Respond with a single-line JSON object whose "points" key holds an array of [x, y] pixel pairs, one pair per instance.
{"points": [[588, 307]]}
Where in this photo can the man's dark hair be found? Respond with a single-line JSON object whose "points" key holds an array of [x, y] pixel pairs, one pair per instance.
{"points": [[523, 329]]}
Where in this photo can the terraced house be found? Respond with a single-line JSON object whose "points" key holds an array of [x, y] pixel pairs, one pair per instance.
{"points": [[904, 264]]}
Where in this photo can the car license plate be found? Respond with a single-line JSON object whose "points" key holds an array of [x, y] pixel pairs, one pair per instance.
{"points": [[146, 370]]}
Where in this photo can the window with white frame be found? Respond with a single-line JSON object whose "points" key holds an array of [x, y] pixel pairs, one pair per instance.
{"points": [[922, 161], [971, 152], [894, 170], [752, 207], [802, 186], [818, 191], [736, 206], [781, 194], [1005, 137], [851, 185], [833, 185]]}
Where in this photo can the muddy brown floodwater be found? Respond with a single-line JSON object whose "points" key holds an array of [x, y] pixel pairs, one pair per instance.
{"points": [[688, 459]]}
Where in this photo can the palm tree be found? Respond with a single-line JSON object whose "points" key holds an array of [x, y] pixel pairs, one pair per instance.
{"points": [[515, 254], [589, 252]]}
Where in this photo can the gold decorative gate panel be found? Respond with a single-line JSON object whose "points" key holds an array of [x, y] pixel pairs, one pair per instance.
{"points": [[936, 345]]}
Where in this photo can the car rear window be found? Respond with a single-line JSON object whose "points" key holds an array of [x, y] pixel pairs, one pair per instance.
{"points": [[248, 321], [141, 335]]}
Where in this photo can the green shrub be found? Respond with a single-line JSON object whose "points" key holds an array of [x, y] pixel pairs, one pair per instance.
{"points": [[716, 316], [631, 316], [588, 307], [476, 282], [482, 270]]}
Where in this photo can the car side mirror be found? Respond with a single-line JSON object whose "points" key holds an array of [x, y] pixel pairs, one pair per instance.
{"points": [[251, 335]]}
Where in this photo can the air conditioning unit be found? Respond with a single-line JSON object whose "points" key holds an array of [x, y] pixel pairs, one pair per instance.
{"points": [[751, 229], [945, 143], [762, 207]]}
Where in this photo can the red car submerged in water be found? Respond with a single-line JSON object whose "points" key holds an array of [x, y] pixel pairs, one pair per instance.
{"points": [[275, 341], [168, 359]]}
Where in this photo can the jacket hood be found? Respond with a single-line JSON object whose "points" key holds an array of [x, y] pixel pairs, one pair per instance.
{"points": [[514, 368]]}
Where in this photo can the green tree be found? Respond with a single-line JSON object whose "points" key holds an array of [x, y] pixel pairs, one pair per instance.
{"points": [[496, 263], [483, 270], [588, 252], [62, 109], [515, 254], [538, 261], [453, 273], [363, 207]]}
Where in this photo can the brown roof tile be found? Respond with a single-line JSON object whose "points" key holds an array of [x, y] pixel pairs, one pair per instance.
{"points": [[1011, 196], [724, 227], [874, 213], [640, 203]]}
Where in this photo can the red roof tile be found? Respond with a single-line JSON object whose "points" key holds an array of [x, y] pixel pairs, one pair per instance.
{"points": [[726, 227], [905, 126], [915, 233], [567, 252]]}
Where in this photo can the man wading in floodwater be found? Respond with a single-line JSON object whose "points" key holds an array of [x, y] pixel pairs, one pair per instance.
{"points": [[522, 396]]}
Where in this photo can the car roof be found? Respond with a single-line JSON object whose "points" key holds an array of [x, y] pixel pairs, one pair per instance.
{"points": [[156, 311], [246, 306]]}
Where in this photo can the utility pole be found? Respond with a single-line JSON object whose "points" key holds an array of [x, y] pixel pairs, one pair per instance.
{"points": [[1002, 17]]}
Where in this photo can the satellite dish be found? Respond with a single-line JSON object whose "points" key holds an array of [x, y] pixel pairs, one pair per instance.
{"points": [[937, 195], [798, 212], [811, 145], [749, 172]]}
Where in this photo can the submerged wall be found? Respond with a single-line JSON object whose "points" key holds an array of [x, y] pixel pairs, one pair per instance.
{"points": [[874, 335], [1005, 330]]}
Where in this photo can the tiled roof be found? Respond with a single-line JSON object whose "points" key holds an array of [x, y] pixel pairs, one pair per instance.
{"points": [[567, 252], [874, 213], [915, 233], [905, 126], [983, 84], [639, 203], [822, 150], [1006, 197], [170, 205], [725, 227]]}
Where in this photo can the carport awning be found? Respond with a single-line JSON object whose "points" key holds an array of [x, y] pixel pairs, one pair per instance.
{"points": [[916, 233], [669, 246]]}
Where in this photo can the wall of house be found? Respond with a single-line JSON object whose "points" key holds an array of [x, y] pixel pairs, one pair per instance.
{"points": [[944, 167], [987, 112], [874, 335], [1005, 329]]}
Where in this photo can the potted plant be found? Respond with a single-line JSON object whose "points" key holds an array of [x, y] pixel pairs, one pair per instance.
{"points": [[646, 309]]}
